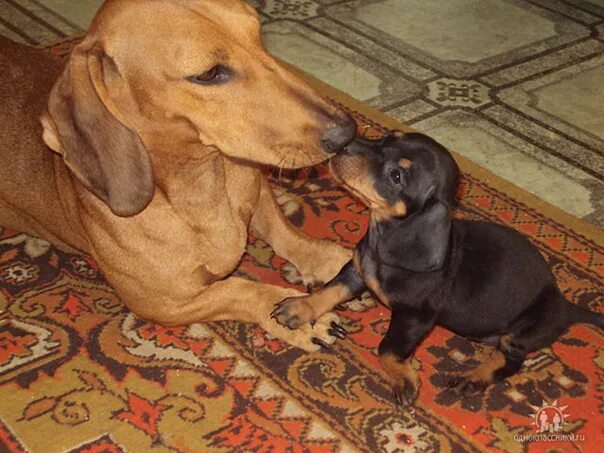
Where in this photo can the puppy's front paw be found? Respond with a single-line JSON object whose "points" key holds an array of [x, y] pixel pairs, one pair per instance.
{"points": [[293, 312], [405, 393], [403, 378]]}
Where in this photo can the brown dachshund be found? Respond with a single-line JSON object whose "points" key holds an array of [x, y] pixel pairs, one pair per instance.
{"points": [[161, 122]]}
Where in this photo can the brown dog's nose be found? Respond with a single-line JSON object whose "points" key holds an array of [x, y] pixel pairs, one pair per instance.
{"points": [[336, 137]]}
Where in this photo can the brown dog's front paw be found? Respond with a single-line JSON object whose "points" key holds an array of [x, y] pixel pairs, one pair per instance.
{"points": [[293, 312], [321, 335], [405, 393]]}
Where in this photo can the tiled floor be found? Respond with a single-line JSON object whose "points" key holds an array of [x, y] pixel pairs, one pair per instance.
{"points": [[515, 85]]}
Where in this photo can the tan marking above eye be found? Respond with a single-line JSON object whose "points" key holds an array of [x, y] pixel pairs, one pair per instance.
{"points": [[405, 163]]}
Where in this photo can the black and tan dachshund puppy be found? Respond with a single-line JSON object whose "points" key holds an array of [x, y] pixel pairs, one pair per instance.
{"points": [[480, 280]]}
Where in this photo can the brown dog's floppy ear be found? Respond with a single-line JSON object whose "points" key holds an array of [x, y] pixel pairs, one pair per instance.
{"points": [[83, 125]]}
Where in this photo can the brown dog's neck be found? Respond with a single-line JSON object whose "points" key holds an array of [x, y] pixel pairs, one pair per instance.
{"points": [[208, 187], [175, 169], [190, 181]]}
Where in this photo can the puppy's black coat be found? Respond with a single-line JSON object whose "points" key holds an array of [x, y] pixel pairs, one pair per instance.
{"points": [[480, 280]]}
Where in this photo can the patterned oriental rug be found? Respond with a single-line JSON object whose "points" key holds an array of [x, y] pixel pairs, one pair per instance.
{"points": [[80, 373]]}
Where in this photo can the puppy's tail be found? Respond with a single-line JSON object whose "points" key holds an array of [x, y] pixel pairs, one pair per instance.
{"points": [[580, 315]]}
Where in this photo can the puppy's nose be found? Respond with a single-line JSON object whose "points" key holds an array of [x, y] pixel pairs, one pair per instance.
{"points": [[336, 137]]}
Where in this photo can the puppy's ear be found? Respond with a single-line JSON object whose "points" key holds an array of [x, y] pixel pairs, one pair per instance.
{"points": [[444, 170], [419, 243], [83, 124], [448, 177]]}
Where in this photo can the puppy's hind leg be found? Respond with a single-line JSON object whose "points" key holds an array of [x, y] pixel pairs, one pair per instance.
{"points": [[509, 356], [539, 326], [497, 366]]}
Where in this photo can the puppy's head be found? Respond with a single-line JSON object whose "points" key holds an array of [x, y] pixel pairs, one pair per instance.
{"points": [[398, 175], [409, 182]]}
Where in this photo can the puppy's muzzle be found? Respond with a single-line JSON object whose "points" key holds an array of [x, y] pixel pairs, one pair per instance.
{"points": [[336, 137]]}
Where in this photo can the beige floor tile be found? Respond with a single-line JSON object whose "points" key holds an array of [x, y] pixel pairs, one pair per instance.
{"points": [[464, 30], [578, 100], [79, 12], [496, 150], [321, 62]]}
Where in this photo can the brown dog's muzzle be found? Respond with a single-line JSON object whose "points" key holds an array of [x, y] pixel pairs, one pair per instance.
{"points": [[336, 137]]}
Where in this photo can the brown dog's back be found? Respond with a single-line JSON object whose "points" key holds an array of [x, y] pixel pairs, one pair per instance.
{"points": [[27, 172]]}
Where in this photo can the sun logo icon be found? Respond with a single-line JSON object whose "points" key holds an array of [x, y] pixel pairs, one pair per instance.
{"points": [[549, 417]]}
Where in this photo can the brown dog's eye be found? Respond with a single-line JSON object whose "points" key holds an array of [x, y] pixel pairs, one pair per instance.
{"points": [[208, 75], [216, 74]]}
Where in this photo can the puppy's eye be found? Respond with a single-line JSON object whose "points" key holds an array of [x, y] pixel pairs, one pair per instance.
{"points": [[395, 175], [215, 75]]}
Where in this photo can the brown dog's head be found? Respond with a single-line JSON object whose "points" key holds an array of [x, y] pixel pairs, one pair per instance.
{"points": [[167, 82]]}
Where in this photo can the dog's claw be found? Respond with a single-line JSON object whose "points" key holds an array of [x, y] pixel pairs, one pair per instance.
{"points": [[400, 399], [320, 342], [333, 333], [337, 330], [275, 313], [405, 394]]}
